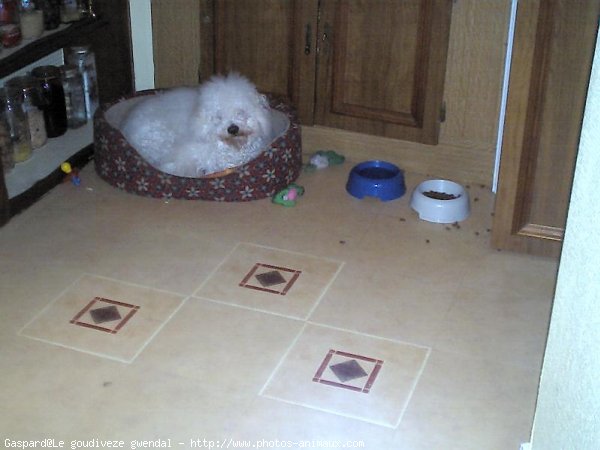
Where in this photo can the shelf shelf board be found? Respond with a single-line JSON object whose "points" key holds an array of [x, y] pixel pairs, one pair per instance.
{"points": [[12, 59], [47, 159]]}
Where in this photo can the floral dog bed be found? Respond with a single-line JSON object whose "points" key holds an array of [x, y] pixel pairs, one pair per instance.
{"points": [[118, 163]]}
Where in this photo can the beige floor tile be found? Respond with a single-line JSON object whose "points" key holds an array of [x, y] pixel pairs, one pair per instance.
{"points": [[223, 222], [273, 280], [167, 407], [158, 259], [466, 403], [425, 251], [348, 374], [223, 348], [270, 421], [27, 286], [502, 271], [330, 231], [97, 398], [104, 317], [380, 301], [503, 325]]}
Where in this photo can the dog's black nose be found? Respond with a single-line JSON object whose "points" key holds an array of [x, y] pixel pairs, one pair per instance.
{"points": [[233, 129]]}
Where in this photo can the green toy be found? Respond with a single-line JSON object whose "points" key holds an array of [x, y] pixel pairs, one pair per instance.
{"points": [[288, 196], [322, 159]]}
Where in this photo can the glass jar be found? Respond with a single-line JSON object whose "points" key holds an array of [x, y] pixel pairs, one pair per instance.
{"points": [[6, 148], [17, 126], [71, 10], [85, 60], [53, 99], [10, 28], [74, 96], [51, 11], [28, 88], [32, 20]]}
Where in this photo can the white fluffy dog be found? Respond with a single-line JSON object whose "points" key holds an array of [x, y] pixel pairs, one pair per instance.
{"points": [[193, 132]]}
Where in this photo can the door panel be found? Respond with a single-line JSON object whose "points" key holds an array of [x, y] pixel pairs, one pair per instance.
{"points": [[271, 42], [256, 38], [361, 79], [176, 42], [552, 57], [382, 66]]}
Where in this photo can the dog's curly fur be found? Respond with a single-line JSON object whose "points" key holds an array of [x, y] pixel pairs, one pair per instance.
{"points": [[197, 131]]}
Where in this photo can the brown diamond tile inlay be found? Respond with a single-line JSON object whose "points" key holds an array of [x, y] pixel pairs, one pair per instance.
{"points": [[348, 371], [102, 311], [105, 314], [269, 276]]}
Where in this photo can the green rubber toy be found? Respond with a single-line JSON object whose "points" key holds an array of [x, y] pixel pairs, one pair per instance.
{"points": [[333, 157], [289, 195], [322, 159]]}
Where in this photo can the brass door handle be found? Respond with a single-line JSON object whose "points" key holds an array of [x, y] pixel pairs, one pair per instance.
{"points": [[307, 39], [326, 32], [326, 38]]}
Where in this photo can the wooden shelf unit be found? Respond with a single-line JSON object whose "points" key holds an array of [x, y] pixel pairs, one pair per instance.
{"points": [[115, 79]]}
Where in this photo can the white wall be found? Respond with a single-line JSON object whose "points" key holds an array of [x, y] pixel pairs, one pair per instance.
{"points": [[141, 39], [568, 410]]}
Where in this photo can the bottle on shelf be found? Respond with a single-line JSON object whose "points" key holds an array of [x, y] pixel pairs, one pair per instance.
{"points": [[18, 126], [32, 20], [10, 27], [83, 57], [74, 96], [51, 12], [6, 148], [53, 99], [71, 10], [27, 87]]}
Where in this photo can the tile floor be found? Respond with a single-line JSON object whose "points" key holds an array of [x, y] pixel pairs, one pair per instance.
{"points": [[338, 320]]}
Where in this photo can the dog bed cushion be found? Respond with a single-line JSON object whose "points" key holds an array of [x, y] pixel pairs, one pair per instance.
{"points": [[118, 163]]}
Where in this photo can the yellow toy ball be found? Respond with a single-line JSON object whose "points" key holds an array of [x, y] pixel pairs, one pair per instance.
{"points": [[66, 167]]}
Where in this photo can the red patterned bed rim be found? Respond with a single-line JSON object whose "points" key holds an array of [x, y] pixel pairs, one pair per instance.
{"points": [[119, 164]]}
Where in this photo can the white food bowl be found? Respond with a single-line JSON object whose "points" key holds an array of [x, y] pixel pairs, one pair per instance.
{"points": [[441, 201]]}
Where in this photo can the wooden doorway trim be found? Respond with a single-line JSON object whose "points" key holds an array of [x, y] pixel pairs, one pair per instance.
{"points": [[550, 70]]}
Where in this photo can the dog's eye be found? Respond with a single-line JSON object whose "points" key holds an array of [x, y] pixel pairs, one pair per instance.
{"points": [[241, 115]]}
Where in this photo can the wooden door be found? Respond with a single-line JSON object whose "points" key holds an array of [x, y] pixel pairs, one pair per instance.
{"points": [[382, 65], [553, 49], [373, 66], [176, 26], [272, 42]]}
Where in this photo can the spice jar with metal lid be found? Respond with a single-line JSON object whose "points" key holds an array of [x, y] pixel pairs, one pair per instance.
{"points": [[83, 57], [32, 20], [28, 88], [71, 10], [17, 126], [74, 96], [10, 28], [53, 99]]}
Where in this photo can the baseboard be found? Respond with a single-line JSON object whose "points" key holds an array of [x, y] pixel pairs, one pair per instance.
{"points": [[459, 163]]}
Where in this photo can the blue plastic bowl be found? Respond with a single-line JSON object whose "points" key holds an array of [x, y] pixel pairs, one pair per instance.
{"points": [[379, 179]]}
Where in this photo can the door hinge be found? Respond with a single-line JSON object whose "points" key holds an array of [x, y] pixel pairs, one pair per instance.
{"points": [[443, 112]]}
